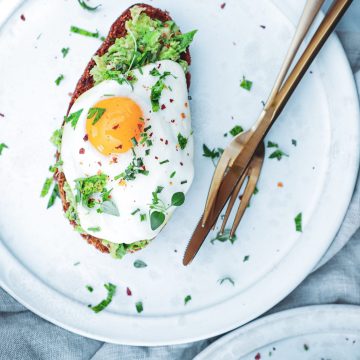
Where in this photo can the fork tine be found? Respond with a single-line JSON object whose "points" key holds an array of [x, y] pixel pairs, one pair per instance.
{"points": [[232, 201], [254, 173]]}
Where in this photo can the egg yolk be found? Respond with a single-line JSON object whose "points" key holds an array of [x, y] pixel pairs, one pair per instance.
{"points": [[119, 127]]}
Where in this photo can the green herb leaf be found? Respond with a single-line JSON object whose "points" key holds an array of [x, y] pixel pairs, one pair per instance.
{"points": [[111, 289], [182, 141], [94, 229], [139, 264], [156, 219], [172, 174], [178, 199], [59, 79], [135, 211], [155, 72], [246, 258], [73, 118], [227, 278], [187, 299], [298, 222], [212, 154], [53, 196], [139, 307], [46, 187], [256, 190], [224, 237], [271, 144], [95, 113], [246, 84], [142, 217], [65, 51], [84, 32], [89, 288], [2, 147], [278, 154], [85, 6], [164, 162], [237, 129], [294, 142]]}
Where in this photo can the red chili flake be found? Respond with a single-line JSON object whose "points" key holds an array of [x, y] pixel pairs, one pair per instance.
{"points": [[99, 162], [140, 126], [161, 139], [257, 356], [115, 160], [181, 164], [22, 17], [118, 147], [70, 94], [115, 127], [82, 151], [86, 137], [159, 66], [171, 100], [151, 134], [183, 116], [186, 104], [128, 292], [173, 120], [166, 142], [163, 107], [280, 184], [156, 158], [129, 77], [223, 5]]}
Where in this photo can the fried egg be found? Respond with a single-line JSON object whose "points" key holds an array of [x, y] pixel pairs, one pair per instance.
{"points": [[138, 135]]}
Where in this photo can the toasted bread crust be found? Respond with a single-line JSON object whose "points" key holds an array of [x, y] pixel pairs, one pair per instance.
{"points": [[86, 82]]}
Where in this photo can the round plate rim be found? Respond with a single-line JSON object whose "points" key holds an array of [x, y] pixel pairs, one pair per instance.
{"points": [[282, 292]]}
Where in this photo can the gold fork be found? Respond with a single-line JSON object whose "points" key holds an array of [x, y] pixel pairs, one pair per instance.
{"points": [[237, 156], [252, 171]]}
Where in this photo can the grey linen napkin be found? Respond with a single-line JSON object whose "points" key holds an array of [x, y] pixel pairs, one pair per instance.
{"points": [[25, 336]]}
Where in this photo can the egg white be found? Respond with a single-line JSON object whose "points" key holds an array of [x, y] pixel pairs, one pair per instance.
{"points": [[166, 124]]}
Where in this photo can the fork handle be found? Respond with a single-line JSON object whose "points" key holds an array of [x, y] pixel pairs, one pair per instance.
{"points": [[311, 9], [267, 118]]}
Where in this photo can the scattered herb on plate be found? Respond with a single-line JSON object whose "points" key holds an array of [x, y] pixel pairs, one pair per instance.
{"points": [[212, 154], [298, 222], [187, 299], [246, 258], [140, 264], [237, 129], [277, 154], [95, 113], [59, 79], [2, 147], [228, 279], [73, 118], [111, 289], [225, 236], [89, 288], [46, 187], [84, 32], [294, 142], [139, 307], [94, 229], [85, 6], [246, 84], [54, 194], [182, 141], [65, 51]]}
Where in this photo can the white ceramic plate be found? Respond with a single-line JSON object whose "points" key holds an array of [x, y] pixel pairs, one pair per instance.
{"points": [[325, 332], [38, 248]]}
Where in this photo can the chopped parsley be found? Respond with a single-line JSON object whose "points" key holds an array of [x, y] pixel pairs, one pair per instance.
{"points": [[139, 307], [56, 138], [65, 51], [111, 289], [156, 91], [187, 299], [136, 167], [172, 174], [227, 278], [142, 217], [91, 193], [84, 32], [94, 229], [89, 288], [256, 190], [225, 236], [182, 141], [139, 264], [277, 154], [294, 142], [46, 187], [135, 211], [85, 6], [212, 154], [246, 84], [59, 79], [73, 118], [164, 162], [246, 258], [298, 222], [95, 113], [2, 147], [237, 129], [54, 194], [306, 347]]}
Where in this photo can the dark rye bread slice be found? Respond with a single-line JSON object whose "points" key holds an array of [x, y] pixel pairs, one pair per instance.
{"points": [[86, 82]]}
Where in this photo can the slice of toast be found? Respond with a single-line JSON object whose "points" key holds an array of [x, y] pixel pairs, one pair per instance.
{"points": [[86, 82]]}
